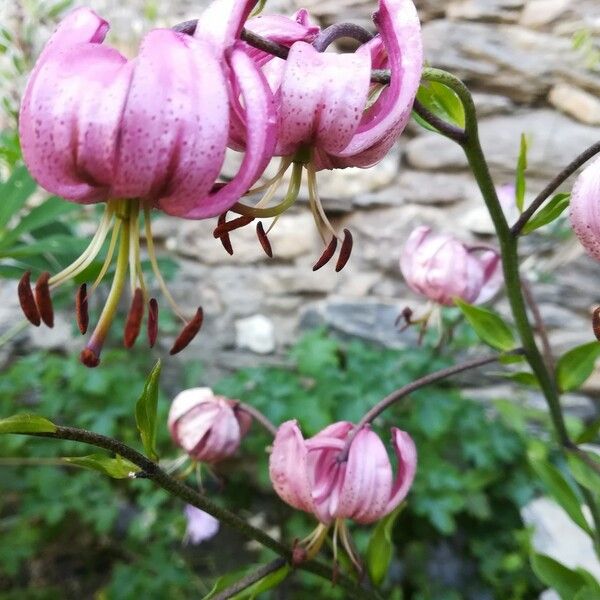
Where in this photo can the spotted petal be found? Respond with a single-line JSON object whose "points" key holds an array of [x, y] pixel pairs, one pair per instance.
{"points": [[406, 453]]}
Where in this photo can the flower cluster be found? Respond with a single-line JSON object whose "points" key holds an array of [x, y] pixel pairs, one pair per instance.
{"points": [[151, 133]]}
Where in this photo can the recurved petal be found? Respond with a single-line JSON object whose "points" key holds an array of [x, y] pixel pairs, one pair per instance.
{"points": [[288, 467], [223, 437], [406, 453], [221, 22], [185, 401], [491, 265], [261, 128], [321, 98], [383, 122], [368, 479], [584, 211]]}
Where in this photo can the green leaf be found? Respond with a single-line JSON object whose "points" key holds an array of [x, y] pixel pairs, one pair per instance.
{"points": [[145, 412], [576, 365], [379, 551], [560, 490], [520, 174], [590, 433], [560, 578], [26, 423], [443, 102], [550, 212], [41, 215], [583, 473], [14, 194], [266, 583], [522, 377], [488, 325], [117, 468]]}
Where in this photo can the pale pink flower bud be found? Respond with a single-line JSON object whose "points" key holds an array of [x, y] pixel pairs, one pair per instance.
{"points": [[200, 525], [585, 209], [308, 475], [443, 268], [208, 427]]}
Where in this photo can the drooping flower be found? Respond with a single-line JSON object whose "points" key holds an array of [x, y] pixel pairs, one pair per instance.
{"points": [[584, 210], [443, 268], [137, 134], [329, 113], [200, 525], [313, 475], [208, 427]]}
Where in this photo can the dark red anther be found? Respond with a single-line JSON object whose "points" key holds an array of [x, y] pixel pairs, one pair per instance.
{"points": [[345, 251], [27, 301], [327, 254], [152, 321], [228, 226], [596, 323], [188, 333], [406, 316], [335, 573], [81, 309], [299, 554], [89, 358], [264, 240], [134, 319], [43, 299], [225, 239]]}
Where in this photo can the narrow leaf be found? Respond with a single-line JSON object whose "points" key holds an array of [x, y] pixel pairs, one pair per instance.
{"points": [[560, 490], [562, 579], [520, 175], [380, 549], [145, 412], [14, 194], [583, 473], [26, 423], [488, 325], [550, 212], [576, 365], [590, 433], [117, 468], [522, 377]]}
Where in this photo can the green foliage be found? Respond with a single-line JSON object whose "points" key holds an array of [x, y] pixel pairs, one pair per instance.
{"points": [[576, 365], [569, 583], [520, 173], [488, 325], [441, 101], [118, 467], [380, 549], [26, 423], [548, 213], [145, 412]]}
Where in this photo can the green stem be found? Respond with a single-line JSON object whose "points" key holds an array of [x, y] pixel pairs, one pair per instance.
{"points": [[177, 488], [510, 264]]}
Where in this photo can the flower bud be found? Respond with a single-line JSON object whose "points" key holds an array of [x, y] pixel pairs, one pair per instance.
{"points": [[443, 268], [208, 427], [585, 209]]}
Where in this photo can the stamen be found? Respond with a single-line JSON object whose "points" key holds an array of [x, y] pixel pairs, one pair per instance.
{"points": [[313, 192], [327, 254], [225, 239], [283, 165], [109, 255], [228, 226], [134, 318], [90, 253], [596, 323], [152, 322], [90, 356], [43, 299], [27, 301], [264, 240], [134, 243], [188, 333], [156, 269], [81, 309], [345, 251], [349, 547]]}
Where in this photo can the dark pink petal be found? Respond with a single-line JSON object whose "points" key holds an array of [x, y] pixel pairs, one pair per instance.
{"points": [[288, 467], [584, 211], [406, 453], [368, 479], [260, 137]]}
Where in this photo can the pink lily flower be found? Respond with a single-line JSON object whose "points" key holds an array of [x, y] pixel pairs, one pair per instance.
{"points": [[443, 268], [584, 209], [137, 134], [309, 475], [208, 427], [324, 114]]}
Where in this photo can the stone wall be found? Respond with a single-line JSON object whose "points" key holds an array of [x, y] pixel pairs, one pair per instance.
{"points": [[518, 58]]}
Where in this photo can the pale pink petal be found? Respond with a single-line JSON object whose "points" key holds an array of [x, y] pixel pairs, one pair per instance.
{"points": [[222, 439], [584, 211], [493, 278], [406, 453], [221, 22], [186, 400], [288, 467], [260, 138], [200, 525], [322, 97], [368, 479], [383, 122]]}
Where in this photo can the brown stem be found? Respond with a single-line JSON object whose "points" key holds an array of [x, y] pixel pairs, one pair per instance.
{"points": [[539, 324], [447, 129], [413, 386], [577, 162], [246, 581]]}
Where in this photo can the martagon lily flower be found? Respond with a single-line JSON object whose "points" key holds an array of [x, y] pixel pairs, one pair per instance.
{"points": [[141, 134], [329, 114], [313, 475], [584, 209]]}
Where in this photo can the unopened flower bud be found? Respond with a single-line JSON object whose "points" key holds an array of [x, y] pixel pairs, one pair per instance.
{"points": [[208, 427]]}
